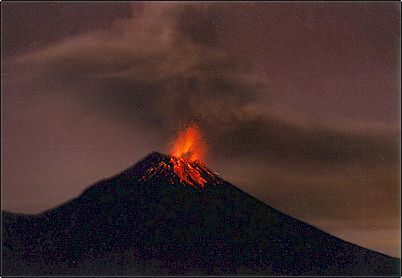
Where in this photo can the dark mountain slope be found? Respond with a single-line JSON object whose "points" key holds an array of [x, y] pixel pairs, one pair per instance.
{"points": [[147, 220]]}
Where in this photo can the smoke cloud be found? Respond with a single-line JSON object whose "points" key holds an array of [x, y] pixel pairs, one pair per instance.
{"points": [[165, 68]]}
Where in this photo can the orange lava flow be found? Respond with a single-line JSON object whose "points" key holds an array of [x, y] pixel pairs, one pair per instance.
{"points": [[187, 153], [184, 164], [188, 172]]}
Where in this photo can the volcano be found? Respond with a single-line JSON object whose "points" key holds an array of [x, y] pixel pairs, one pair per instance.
{"points": [[171, 216]]}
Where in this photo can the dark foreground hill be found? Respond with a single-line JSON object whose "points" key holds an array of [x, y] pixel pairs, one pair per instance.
{"points": [[150, 221]]}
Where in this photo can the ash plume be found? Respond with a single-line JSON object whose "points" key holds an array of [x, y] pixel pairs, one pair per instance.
{"points": [[164, 67]]}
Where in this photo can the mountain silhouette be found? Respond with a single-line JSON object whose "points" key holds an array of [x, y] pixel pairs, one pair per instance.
{"points": [[149, 220]]}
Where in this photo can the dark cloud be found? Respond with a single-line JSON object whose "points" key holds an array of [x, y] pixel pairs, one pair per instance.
{"points": [[44, 22], [166, 72]]}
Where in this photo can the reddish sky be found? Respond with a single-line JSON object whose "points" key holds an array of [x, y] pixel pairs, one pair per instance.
{"points": [[299, 102]]}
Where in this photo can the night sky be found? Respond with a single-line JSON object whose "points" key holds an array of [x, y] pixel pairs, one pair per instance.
{"points": [[299, 103]]}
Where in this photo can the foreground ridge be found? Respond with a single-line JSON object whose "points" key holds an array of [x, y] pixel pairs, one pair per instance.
{"points": [[153, 219]]}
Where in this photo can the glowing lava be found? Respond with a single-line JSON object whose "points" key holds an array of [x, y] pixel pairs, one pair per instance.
{"points": [[184, 164], [188, 144], [187, 151], [189, 172]]}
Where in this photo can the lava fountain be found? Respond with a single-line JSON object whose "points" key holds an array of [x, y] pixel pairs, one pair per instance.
{"points": [[187, 153], [189, 145], [185, 163]]}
